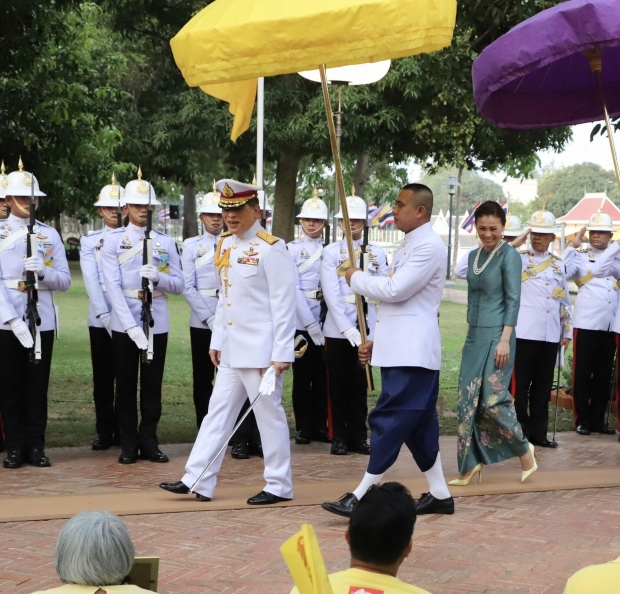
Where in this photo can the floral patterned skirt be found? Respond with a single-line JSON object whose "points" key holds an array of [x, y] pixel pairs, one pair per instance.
{"points": [[488, 428]]}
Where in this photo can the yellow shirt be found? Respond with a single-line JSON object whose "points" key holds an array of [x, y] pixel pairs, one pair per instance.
{"points": [[599, 579], [76, 589], [358, 581]]}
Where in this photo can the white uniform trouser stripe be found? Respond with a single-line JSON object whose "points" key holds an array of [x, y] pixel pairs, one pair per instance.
{"points": [[232, 387]]}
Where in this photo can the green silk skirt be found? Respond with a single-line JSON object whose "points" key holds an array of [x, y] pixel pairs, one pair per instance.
{"points": [[488, 429]]}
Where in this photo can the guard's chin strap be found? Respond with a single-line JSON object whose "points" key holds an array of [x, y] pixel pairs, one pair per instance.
{"points": [[20, 208], [315, 231], [359, 232], [140, 219]]}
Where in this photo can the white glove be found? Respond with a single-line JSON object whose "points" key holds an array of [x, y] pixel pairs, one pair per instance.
{"points": [[149, 271], [35, 264], [21, 330], [210, 321], [353, 336], [316, 334], [104, 318], [268, 383], [137, 335]]}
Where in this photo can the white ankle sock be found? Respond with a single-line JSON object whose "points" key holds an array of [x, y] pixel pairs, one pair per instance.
{"points": [[368, 481], [436, 480]]}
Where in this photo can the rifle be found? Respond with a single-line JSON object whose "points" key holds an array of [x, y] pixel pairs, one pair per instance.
{"points": [[32, 305], [326, 241], [146, 295], [364, 266]]}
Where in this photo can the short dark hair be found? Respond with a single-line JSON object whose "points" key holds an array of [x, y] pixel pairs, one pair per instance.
{"points": [[490, 208], [422, 196], [381, 524]]}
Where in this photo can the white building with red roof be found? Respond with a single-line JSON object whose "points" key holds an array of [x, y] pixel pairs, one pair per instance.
{"points": [[578, 216]]}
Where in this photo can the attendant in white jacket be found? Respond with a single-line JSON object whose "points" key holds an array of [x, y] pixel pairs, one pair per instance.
{"points": [[201, 292], [407, 347], [110, 208]]}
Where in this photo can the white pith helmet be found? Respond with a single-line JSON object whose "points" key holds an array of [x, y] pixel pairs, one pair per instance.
{"points": [[543, 221], [208, 203], [20, 183], [601, 221], [356, 207], [111, 195], [137, 192], [513, 227], [3, 181], [314, 208]]}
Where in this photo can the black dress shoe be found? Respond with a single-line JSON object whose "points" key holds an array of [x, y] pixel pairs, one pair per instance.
{"points": [[264, 498], [339, 448], [180, 488], [321, 436], [128, 457], [256, 450], [427, 504], [14, 459], [202, 497], [604, 430], [101, 443], [363, 447], [240, 451], [37, 458], [302, 439], [582, 430], [544, 443], [343, 507], [155, 455]]}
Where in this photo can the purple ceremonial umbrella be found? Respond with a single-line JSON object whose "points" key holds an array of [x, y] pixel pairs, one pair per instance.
{"points": [[537, 76]]}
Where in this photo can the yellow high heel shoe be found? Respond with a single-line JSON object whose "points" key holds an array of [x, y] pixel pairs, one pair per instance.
{"points": [[528, 473], [464, 482]]}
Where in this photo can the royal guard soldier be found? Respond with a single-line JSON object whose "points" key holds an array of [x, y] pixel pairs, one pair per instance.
{"points": [[346, 379], [309, 373], [109, 205], [543, 326], [201, 293], [253, 334], [27, 291], [136, 355], [594, 341]]}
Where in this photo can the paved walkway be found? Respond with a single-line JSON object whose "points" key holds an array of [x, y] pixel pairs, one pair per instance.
{"points": [[512, 543]]}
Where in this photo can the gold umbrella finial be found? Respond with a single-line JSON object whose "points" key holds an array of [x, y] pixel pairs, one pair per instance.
{"points": [[139, 172], [113, 182], [20, 164], [595, 57]]}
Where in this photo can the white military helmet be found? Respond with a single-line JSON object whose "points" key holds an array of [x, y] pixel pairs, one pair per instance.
{"points": [[543, 221], [20, 183], [513, 227], [111, 195], [356, 207], [208, 203], [314, 208], [601, 221], [137, 192], [3, 181]]}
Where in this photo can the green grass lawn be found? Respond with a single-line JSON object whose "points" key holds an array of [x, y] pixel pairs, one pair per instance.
{"points": [[71, 408]]}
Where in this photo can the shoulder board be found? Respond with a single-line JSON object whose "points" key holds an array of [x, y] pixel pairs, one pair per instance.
{"points": [[40, 224], [270, 239], [225, 234], [190, 240], [95, 232], [119, 230], [583, 251], [556, 257], [522, 250]]}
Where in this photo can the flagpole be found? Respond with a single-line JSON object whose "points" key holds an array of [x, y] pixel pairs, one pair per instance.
{"points": [[260, 130]]}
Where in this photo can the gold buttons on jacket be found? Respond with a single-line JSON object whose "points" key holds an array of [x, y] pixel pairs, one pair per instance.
{"points": [[234, 247], [230, 322], [378, 320], [229, 304]]}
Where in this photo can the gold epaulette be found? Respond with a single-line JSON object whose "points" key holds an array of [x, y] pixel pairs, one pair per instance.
{"points": [[582, 251], [270, 239], [225, 234], [556, 257], [522, 250]]}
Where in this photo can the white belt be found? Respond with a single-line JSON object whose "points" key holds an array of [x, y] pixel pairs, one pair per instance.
{"points": [[313, 294], [137, 293], [348, 298], [20, 285], [209, 292]]}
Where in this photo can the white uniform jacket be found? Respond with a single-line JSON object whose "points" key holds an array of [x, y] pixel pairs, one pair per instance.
{"points": [[255, 316], [90, 263], [306, 253], [340, 298], [544, 297], [123, 280], [460, 271], [606, 264], [200, 277], [409, 296], [597, 299], [12, 255]]}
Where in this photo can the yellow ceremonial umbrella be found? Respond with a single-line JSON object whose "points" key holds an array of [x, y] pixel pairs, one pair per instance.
{"points": [[230, 43]]}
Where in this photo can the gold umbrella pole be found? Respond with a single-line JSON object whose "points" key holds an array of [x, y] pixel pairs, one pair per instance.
{"points": [[595, 57], [343, 204]]}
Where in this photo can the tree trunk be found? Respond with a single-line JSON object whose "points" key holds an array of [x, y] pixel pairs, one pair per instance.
{"points": [[457, 207], [361, 174], [284, 198], [190, 220]]}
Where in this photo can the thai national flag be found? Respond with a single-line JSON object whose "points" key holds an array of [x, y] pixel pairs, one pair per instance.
{"points": [[163, 215], [387, 219], [505, 206], [380, 213], [468, 223]]}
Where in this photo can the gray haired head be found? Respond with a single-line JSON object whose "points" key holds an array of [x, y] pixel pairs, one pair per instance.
{"points": [[94, 549]]}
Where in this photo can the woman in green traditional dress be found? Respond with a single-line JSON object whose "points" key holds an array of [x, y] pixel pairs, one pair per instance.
{"points": [[488, 430]]}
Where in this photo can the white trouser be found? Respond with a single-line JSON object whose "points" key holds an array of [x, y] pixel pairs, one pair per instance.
{"points": [[232, 387]]}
